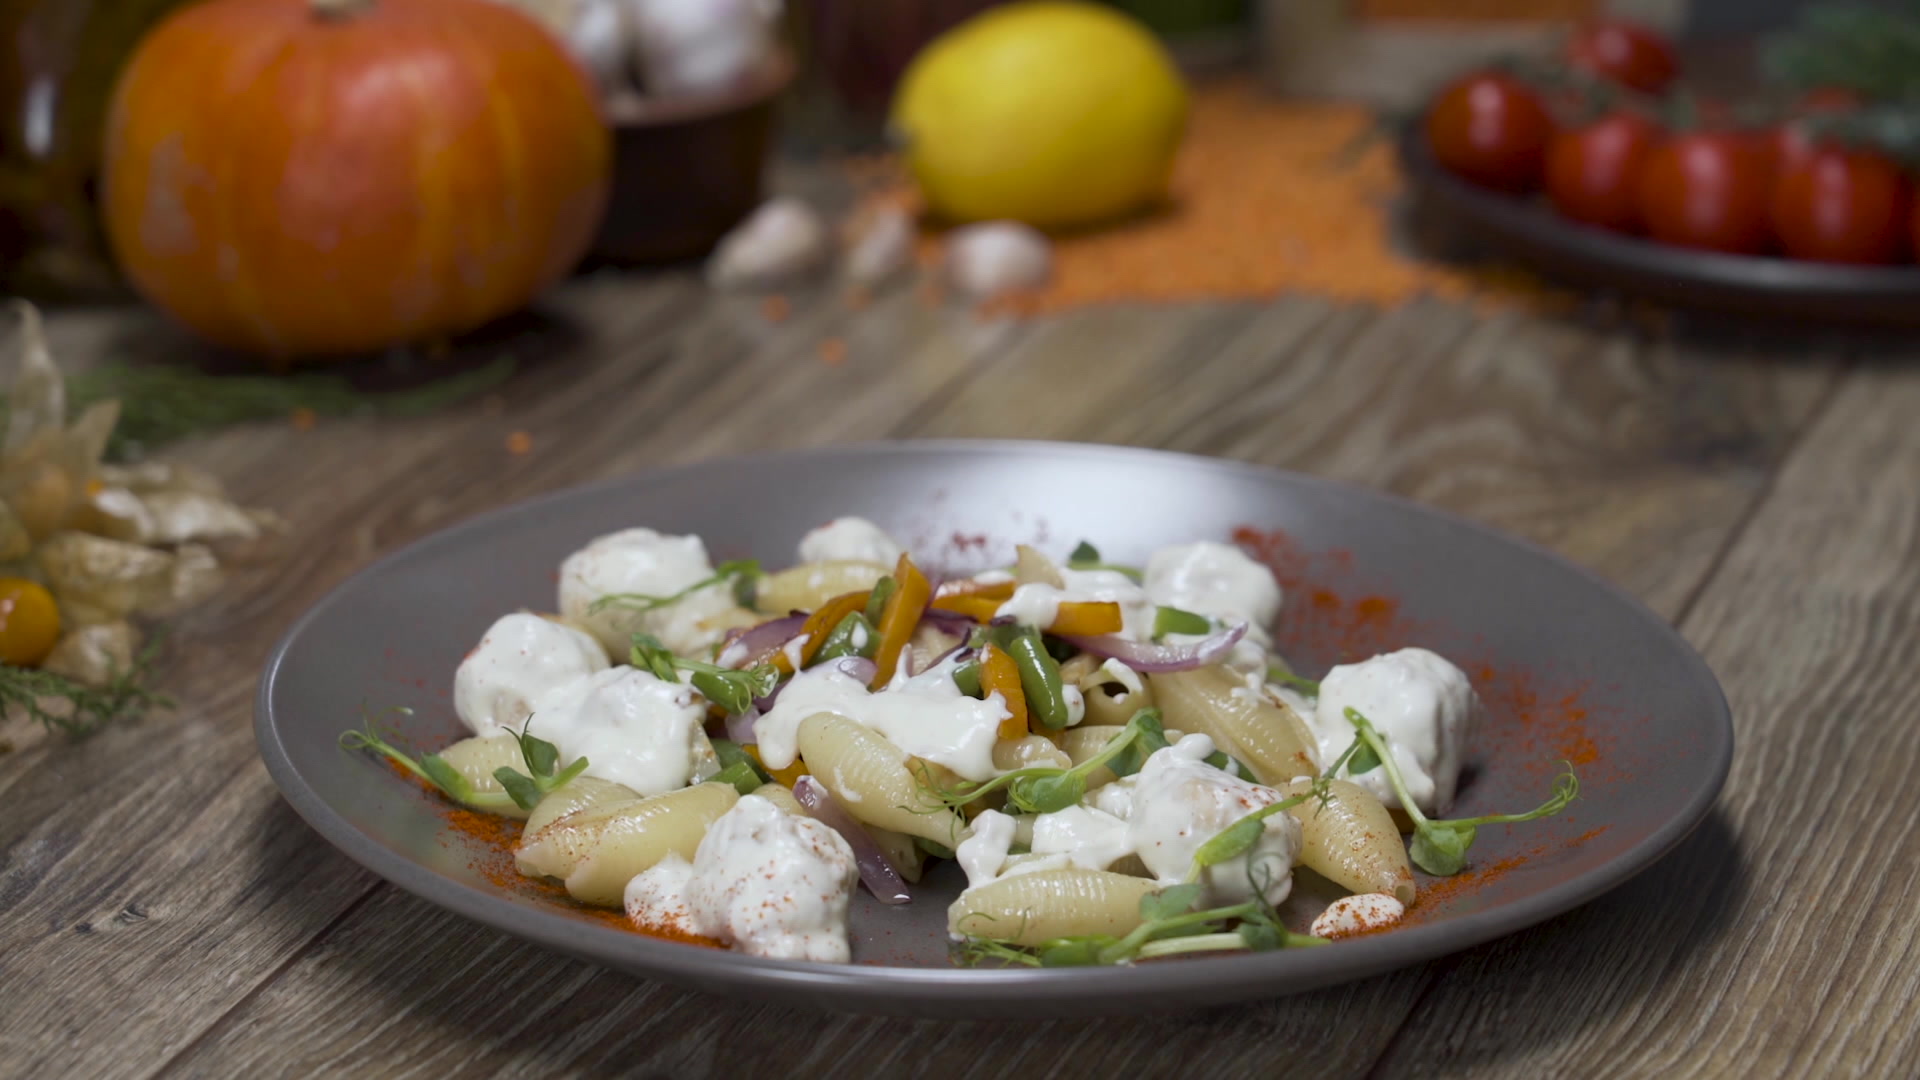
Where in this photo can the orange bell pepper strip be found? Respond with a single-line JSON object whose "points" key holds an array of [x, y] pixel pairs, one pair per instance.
{"points": [[999, 674], [899, 617], [1086, 618], [823, 620], [784, 777], [970, 604], [998, 590]]}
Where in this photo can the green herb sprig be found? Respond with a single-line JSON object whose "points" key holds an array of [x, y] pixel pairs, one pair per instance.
{"points": [[1440, 847], [1282, 674], [161, 403], [733, 689], [89, 708], [429, 767], [742, 573], [541, 757], [1042, 789]]}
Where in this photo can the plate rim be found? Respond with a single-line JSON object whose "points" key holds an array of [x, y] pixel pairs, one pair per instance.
{"points": [[876, 988]]}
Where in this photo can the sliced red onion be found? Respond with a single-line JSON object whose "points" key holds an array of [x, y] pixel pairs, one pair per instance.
{"points": [[759, 641], [740, 726], [1149, 657], [876, 873]]}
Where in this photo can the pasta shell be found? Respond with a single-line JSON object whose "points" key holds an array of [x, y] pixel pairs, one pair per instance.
{"points": [[576, 794], [1024, 753], [477, 758], [1028, 909], [1083, 742], [1268, 738], [620, 839], [807, 586], [1351, 841], [869, 776]]}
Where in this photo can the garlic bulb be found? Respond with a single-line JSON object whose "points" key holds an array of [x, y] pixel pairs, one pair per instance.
{"points": [[600, 35], [696, 46], [782, 239], [996, 257], [880, 248]]}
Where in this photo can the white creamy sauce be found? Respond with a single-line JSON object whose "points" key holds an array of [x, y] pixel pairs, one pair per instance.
{"points": [[1179, 802], [850, 539], [793, 650], [1076, 704], [1424, 707], [645, 563], [633, 729], [1088, 838], [520, 657], [1036, 605], [1216, 580], [983, 853], [1357, 914], [767, 882], [924, 715]]}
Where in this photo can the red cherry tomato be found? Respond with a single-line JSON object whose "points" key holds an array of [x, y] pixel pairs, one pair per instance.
{"points": [[1492, 129], [1839, 205], [1592, 171], [1624, 52], [1707, 190]]}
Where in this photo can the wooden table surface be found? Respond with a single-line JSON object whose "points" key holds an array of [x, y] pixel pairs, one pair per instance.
{"points": [[163, 912]]}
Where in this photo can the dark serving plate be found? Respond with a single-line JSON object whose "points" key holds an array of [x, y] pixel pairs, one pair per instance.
{"points": [[1528, 230], [1570, 668]]}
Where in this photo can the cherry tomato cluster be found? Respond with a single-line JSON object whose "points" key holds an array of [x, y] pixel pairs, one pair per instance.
{"points": [[1714, 184]]}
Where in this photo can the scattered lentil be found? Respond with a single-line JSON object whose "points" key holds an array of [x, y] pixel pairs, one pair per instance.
{"points": [[1268, 196]]}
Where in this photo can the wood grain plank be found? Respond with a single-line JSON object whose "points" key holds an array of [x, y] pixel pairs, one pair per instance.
{"points": [[1777, 942], [1515, 421], [156, 878]]}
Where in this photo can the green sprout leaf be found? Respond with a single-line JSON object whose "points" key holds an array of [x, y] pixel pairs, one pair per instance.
{"points": [[648, 654], [1083, 552], [430, 767], [1364, 761], [1151, 737], [1087, 557], [1075, 952], [1282, 674], [525, 791], [1441, 850], [1168, 902]]}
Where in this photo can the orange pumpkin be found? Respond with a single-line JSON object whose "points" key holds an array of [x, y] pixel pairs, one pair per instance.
{"points": [[310, 177]]}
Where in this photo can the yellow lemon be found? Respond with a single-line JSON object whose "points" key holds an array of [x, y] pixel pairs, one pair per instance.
{"points": [[1052, 113]]}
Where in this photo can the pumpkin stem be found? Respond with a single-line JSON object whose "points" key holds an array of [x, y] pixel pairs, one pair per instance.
{"points": [[333, 10]]}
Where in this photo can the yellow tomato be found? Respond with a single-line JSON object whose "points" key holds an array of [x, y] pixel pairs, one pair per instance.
{"points": [[29, 622]]}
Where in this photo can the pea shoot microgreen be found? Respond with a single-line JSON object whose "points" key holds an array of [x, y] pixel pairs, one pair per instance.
{"points": [[1087, 557], [429, 767], [733, 689], [1043, 790], [742, 574], [1440, 847], [541, 758]]}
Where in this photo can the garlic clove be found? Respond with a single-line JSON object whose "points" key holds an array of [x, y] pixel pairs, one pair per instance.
{"points": [[600, 35], [880, 248], [782, 239], [997, 257]]}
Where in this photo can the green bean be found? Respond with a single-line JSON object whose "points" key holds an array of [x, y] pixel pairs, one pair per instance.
{"points": [[967, 678], [851, 636], [1039, 677]]}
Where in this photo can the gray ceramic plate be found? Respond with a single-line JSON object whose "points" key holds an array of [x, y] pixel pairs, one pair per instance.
{"points": [[1570, 669]]}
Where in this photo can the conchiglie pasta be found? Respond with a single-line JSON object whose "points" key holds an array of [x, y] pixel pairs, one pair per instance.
{"points": [[477, 758], [1028, 909], [782, 798], [1029, 752], [1083, 742], [576, 794], [1111, 703], [869, 776], [807, 586], [1214, 701], [1351, 841], [591, 848]]}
